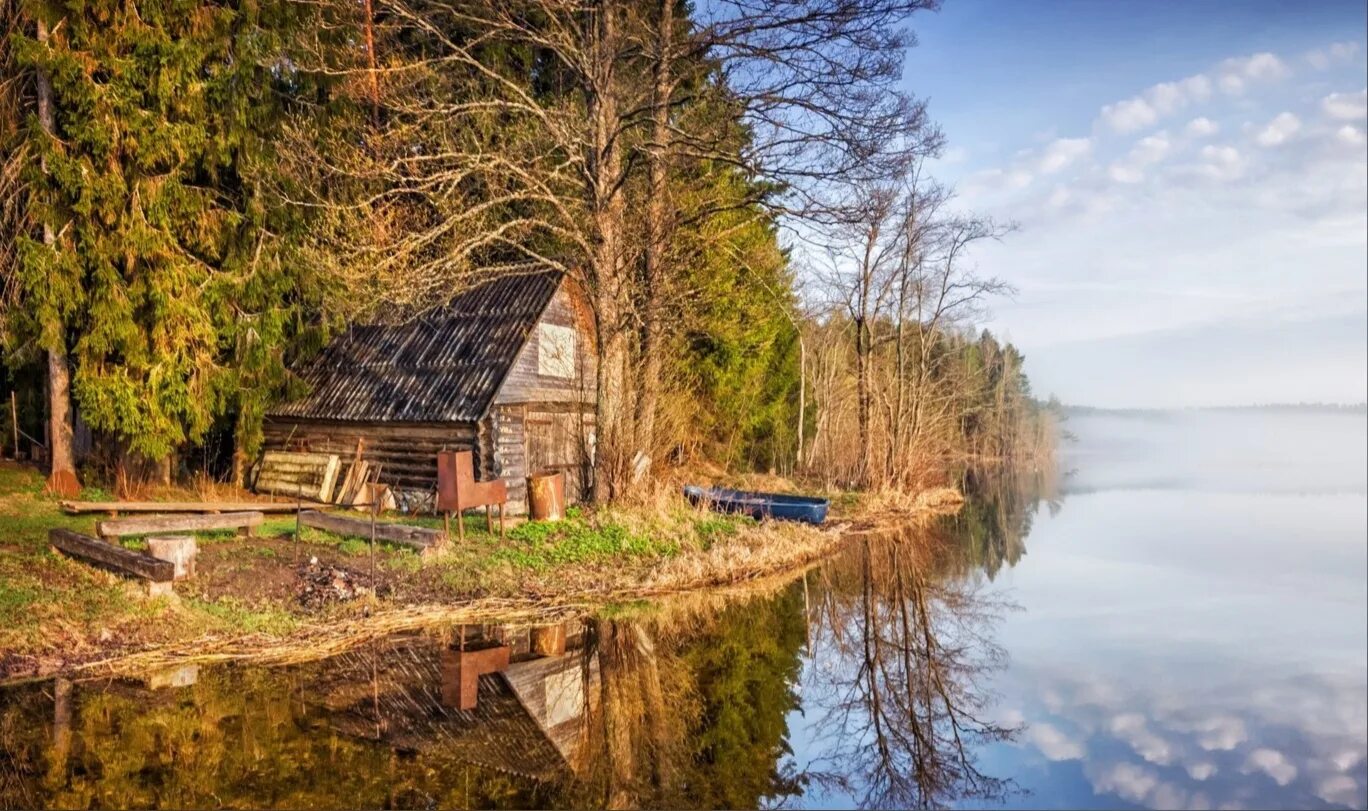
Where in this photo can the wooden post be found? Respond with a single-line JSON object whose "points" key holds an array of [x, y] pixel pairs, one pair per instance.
{"points": [[61, 731], [460, 521], [299, 508], [375, 510], [14, 424]]}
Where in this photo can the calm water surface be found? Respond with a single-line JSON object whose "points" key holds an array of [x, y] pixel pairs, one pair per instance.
{"points": [[1178, 623]]}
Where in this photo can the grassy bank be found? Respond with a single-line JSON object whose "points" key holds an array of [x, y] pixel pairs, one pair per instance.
{"points": [[56, 613]]}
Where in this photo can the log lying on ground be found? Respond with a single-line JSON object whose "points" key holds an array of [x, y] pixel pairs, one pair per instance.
{"points": [[179, 523], [181, 506], [108, 556], [420, 538]]}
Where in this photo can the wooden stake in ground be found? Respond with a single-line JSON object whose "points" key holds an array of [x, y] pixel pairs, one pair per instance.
{"points": [[375, 510], [299, 508], [14, 424]]}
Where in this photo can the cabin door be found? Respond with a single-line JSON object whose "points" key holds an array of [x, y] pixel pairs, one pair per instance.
{"points": [[553, 444]]}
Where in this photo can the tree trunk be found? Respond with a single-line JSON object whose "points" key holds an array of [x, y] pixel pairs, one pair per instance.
{"points": [[802, 397], [862, 400], [61, 458], [657, 231], [614, 435]]}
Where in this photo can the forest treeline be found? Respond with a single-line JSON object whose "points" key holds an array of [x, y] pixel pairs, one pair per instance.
{"points": [[195, 195]]}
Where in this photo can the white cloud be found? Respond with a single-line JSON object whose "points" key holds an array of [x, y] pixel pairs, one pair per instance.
{"points": [[1279, 131], [1156, 102], [1201, 770], [1053, 743], [1336, 53], [1028, 165], [1128, 781], [1346, 106], [1061, 152], [1129, 115], [1272, 763], [1222, 162], [1131, 728], [1351, 136], [1234, 75], [1338, 789], [1167, 98], [1148, 150], [1220, 733], [1202, 127]]}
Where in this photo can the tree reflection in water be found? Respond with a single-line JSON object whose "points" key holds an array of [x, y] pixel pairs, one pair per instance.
{"points": [[905, 650], [684, 704]]}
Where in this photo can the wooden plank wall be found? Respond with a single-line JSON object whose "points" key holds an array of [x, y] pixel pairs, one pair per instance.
{"points": [[524, 384], [408, 451], [512, 454]]}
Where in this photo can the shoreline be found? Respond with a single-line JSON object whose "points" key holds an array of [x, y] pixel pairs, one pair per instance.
{"points": [[246, 604]]}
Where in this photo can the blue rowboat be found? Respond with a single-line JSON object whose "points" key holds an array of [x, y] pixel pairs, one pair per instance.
{"points": [[759, 505]]}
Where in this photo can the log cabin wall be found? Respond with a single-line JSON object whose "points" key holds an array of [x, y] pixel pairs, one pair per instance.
{"points": [[408, 451], [506, 369]]}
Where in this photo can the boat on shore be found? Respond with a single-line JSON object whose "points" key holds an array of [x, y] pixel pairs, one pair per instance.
{"points": [[807, 509]]}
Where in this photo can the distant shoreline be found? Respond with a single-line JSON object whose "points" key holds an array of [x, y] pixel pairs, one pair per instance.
{"points": [[1268, 408]]}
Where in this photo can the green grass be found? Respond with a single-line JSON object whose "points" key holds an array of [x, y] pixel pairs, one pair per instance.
{"points": [[58, 606], [541, 545], [712, 529], [15, 600], [228, 614]]}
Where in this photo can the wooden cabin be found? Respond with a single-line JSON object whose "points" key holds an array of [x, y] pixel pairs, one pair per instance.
{"points": [[506, 370]]}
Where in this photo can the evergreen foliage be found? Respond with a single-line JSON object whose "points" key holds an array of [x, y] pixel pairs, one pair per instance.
{"points": [[169, 280]]}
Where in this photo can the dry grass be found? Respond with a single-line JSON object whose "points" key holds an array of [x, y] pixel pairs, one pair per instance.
{"points": [[656, 546]]}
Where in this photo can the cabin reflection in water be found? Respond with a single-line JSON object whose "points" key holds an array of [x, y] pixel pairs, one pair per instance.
{"points": [[874, 660], [512, 701]]}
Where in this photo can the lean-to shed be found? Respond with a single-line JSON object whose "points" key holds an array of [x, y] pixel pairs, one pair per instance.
{"points": [[506, 369]]}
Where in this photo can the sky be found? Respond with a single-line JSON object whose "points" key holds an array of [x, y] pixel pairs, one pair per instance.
{"points": [[1190, 186]]}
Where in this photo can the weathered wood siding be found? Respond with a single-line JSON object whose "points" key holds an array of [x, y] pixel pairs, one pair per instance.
{"points": [[560, 693], [505, 428], [408, 451], [526, 384], [535, 438]]}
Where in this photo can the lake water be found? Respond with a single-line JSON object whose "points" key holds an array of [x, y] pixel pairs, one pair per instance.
{"points": [[1178, 623]]}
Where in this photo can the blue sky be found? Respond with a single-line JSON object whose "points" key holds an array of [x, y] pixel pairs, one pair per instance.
{"points": [[1191, 185]]}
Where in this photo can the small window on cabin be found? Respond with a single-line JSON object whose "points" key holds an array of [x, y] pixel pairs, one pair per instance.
{"points": [[555, 350]]}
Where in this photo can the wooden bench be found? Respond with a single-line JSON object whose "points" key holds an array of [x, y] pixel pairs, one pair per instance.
{"points": [[422, 539], [116, 507], [246, 522], [157, 573]]}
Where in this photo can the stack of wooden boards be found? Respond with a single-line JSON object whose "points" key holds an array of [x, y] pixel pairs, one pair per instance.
{"points": [[315, 477]]}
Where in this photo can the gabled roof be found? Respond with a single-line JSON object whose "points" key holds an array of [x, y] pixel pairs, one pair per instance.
{"points": [[444, 366]]}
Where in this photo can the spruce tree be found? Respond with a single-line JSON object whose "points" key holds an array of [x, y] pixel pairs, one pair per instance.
{"points": [[168, 277]]}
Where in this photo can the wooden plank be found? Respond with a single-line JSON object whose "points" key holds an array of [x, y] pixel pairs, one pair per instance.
{"points": [[108, 556], [180, 506], [178, 523], [420, 538]]}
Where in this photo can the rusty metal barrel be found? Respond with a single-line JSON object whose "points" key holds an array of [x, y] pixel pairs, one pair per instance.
{"points": [[546, 496]]}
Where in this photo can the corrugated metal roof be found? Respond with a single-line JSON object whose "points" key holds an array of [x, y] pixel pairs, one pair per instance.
{"points": [[444, 366]]}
